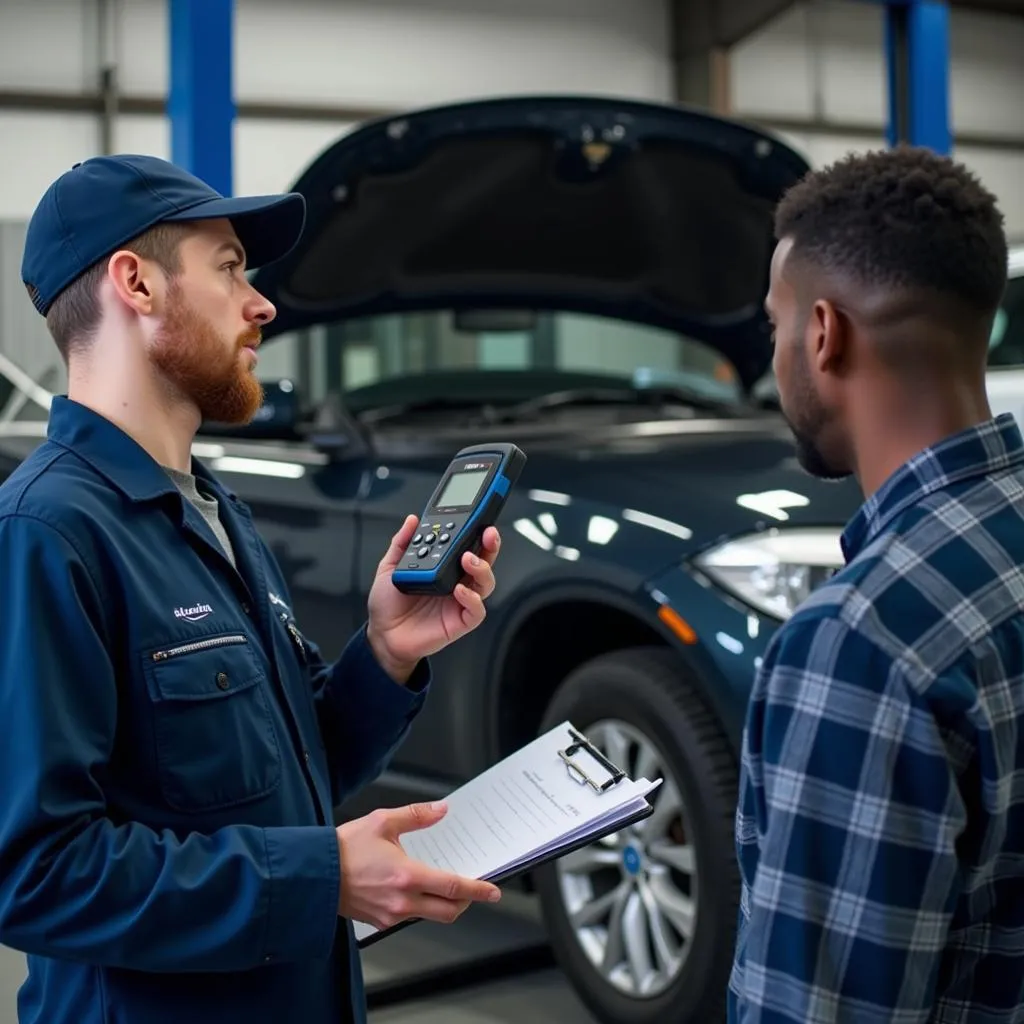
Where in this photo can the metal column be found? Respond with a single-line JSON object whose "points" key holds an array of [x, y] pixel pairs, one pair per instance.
{"points": [[201, 102], [917, 54]]}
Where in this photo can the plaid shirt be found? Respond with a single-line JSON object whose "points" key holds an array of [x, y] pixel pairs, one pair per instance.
{"points": [[880, 826]]}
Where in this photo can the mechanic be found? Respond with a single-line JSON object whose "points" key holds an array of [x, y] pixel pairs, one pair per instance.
{"points": [[880, 827], [174, 745]]}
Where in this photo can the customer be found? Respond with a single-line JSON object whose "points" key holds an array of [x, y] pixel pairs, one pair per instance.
{"points": [[880, 828], [173, 745]]}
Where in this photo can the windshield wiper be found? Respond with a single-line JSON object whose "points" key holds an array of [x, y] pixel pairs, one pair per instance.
{"points": [[486, 411], [435, 403], [625, 395]]}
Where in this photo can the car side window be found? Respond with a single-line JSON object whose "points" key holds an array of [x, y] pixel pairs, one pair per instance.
{"points": [[1006, 344]]}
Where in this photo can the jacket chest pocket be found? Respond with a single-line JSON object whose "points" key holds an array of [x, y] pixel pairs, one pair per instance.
{"points": [[213, 731]]}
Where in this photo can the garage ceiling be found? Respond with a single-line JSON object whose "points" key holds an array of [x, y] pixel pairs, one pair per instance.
{"points": [[703, 24], [995, 6]]}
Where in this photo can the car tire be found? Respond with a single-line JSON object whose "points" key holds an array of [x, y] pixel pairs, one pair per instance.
{"points": [[646, 691]]}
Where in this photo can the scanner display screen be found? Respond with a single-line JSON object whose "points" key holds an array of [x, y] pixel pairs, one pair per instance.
{"points": [[462, 489]]}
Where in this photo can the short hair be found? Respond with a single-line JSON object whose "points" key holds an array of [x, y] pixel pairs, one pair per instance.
{"points": [[75, 313], [906, 218]]}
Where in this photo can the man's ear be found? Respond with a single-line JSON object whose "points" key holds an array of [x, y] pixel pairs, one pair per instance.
{"points": [[828, 337], [137, 282]]}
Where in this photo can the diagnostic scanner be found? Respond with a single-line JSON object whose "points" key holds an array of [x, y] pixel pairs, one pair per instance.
{"points": [[468, 499]]}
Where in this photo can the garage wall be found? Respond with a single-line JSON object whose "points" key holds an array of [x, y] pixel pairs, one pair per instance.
{"points": [[820, 63], [818, 72], [355, 53]]}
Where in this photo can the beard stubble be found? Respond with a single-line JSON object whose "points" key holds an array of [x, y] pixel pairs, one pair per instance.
{"points": [[808, 421]]}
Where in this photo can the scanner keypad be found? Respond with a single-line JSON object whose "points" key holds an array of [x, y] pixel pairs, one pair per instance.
{"points": [[428, 544]]}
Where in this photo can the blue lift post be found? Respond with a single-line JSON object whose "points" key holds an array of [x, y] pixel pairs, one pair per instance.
{"points": [[917, 54], [201, 102]]}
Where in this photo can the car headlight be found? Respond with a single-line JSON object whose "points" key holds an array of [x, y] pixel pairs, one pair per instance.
{"points": [[776, 570]]}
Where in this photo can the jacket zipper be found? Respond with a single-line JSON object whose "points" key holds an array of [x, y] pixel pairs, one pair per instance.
{"points": [[200, 645], [295, 635]]}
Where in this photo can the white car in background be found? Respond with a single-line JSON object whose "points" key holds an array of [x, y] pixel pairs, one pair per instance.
{"points": [[1005, 380]]}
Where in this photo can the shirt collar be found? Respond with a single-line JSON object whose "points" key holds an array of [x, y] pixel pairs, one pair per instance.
{"points": [[990, 447], [113, 453]]}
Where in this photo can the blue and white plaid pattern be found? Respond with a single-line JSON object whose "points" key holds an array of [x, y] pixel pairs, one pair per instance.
{"points": [[880, 826]]}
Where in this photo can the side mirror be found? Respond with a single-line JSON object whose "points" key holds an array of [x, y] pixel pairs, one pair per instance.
{"points": [[278, 417], [336, 432]]}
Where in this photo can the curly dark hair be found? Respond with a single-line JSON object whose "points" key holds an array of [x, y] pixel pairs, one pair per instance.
{"points": [[905, 218]]}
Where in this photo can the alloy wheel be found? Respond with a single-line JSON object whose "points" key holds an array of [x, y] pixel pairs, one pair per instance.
{"points": [[631, 898]]}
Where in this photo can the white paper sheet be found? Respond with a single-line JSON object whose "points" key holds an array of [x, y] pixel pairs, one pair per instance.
{"points": [[529, 805]]}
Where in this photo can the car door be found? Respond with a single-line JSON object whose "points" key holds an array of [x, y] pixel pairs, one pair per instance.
{"points": [[399, 486], [304, 502]]}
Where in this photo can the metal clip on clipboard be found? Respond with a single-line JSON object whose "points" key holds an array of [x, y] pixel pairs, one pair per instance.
{"points": [[615, 774]]}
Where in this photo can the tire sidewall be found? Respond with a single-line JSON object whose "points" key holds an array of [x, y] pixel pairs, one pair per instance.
{"points": [[620, 689]]}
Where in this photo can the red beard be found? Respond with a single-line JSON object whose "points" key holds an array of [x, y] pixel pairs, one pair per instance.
{"points": [[192, 356]]}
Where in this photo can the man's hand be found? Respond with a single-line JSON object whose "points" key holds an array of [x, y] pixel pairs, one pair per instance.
{"points": [[382, 886], [404, 628]]}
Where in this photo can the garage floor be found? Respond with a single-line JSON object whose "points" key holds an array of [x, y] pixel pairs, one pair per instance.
{"points": [[482, 931]]}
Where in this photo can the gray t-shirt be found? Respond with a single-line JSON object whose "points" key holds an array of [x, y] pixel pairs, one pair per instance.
{"points": [[206, 505]]}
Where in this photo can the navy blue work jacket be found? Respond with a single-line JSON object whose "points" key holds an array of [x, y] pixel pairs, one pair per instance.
{"points": [[172, 749]]}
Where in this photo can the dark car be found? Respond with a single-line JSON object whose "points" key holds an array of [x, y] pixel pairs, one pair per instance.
{"points": [[584, 277]]}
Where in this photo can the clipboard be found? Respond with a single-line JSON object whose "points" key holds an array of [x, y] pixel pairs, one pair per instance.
{"points": [[569, 753], [577, 769]]}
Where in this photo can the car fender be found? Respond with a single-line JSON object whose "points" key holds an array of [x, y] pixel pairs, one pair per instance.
{"points": [[543, 593]]}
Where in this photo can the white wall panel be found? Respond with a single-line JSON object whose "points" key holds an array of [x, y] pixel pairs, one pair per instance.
{"points": [[825, 58], [404, 52], [270, 155], [407, 52], [816, 60], [987, 84], [821, 149], [48, 44], [1000, 171], [35, 149], [1003, 173], [823, 61]]}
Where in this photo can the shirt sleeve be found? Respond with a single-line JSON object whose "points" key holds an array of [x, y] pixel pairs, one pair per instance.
{"points": [[364, 714], [74, 884], [846, 833]]}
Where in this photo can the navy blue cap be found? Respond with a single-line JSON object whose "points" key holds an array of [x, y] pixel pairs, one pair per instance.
{"points": [[97, 206]]}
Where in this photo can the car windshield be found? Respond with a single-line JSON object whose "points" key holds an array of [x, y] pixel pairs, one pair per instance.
{"points": [[435, 363]]}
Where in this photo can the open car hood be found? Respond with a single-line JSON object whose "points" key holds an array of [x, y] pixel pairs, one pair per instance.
{"points": [[646, 212]]}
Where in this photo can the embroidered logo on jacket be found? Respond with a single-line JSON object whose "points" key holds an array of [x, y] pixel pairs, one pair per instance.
{"points": [[193, 614]]}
